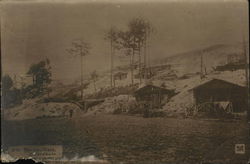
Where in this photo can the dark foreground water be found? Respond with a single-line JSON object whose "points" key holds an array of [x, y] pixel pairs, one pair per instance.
{"points": [[49, 131], [131, 139]]}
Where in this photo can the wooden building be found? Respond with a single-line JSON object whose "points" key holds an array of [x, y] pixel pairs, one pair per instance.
{"points": [[217, 90], [152, 95], [120, 75]]}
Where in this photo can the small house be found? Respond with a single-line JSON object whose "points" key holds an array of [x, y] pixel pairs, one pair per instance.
{"points": [[233, 58], [152, 95], [216, 90], [120, 75]]}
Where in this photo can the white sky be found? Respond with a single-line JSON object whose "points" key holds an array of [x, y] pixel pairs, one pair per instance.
{"points": [[33, 31]]}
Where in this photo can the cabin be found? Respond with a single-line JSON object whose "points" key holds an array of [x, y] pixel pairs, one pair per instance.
{"points": [[152, 95], [234, 62], [120, 75], [146, 73], [221, 91], [233, 58], [231, 67]]}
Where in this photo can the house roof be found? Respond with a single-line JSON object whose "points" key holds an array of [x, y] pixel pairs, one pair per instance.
{"points": [[206, 82], [120, 73], [152, 88]]}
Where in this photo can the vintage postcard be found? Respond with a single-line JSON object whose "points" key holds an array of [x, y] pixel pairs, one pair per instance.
{"points": [[125, 82]]}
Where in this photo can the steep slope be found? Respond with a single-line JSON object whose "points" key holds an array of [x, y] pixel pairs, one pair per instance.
{"points": [[190, 62]]}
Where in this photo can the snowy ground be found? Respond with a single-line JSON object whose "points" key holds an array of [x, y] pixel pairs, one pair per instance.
{"points": [[104, 82], [177, 105], [32, 110], [110, 104]]}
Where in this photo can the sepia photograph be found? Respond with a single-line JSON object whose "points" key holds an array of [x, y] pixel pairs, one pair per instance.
{"points": [[125, 82]]}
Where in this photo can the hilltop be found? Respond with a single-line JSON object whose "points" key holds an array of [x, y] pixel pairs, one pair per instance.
{"points": [[189, 62]]}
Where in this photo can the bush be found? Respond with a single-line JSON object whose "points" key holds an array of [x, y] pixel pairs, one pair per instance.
{"points": [[138, 108], [30, 92], [11, 98], [118, 111], [191, 110]]}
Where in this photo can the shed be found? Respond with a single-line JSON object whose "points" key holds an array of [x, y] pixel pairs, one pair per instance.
{"points": [[152, 95], [120, 75], [217, 90]]}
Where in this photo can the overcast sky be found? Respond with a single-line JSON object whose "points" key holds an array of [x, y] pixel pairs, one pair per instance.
{"points": [[34, 31]]}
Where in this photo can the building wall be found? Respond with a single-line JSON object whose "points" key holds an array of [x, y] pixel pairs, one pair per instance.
{"points": [[236, 96], [120, 77], [153, 99]]}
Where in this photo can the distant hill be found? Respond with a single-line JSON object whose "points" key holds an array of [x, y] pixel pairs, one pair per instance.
{"points": [[190, 62], [180, 64]]}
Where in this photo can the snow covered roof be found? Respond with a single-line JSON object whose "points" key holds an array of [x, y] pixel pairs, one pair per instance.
{"points": [[158, 83], [215, 79], [120, 73], [152, 88], [235, 81]]}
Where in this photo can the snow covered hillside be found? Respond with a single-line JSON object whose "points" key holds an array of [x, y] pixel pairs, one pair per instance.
{"points": [[182, 75], [31, 110], [188, 63], [213, 56]]}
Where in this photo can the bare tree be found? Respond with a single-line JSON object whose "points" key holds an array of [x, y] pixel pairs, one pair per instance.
{"points": [[79, 48], [94, 77], [140, 30], [112, 36], [148, 30], [127, 42], [133, 40]]}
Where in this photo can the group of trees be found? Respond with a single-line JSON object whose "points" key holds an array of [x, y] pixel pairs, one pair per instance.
{"points": [[10, 95], [80, 48], [41, 76], [134, 41]]}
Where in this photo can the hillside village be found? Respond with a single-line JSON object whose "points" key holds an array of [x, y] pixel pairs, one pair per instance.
{"points": [[168, 88], [124, 82]]}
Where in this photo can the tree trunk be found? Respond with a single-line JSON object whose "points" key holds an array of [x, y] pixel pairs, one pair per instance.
{"points": [[145, 57], [81, 75], [113, 67], [48, 93], [111, 63], [94, 86], [247, 81], [33, 79], [201, 74], [132, 67], [139, 51]]}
